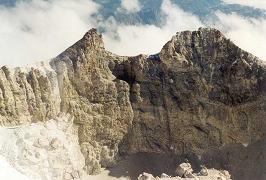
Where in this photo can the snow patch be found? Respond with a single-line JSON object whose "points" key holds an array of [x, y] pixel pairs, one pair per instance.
{"points": [[44, 150], [9, 172]]}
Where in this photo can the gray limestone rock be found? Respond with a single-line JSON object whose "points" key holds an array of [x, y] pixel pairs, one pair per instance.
{"points": [[199, 93]]}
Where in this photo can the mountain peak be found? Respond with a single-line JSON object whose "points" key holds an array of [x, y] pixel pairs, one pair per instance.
{"points": [[92, 40], [204, 46], [90, 43]]}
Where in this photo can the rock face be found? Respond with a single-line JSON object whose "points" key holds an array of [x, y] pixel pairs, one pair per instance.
{"points": [[200, 92], [28, 95], [99, 102]]}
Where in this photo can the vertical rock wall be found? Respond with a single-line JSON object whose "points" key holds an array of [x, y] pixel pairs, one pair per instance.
{"points": [[27, 95], [200, 92], [98, 101]]}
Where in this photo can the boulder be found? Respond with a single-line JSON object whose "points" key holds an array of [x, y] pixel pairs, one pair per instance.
{"points": [[146, 176], [184, 170]]}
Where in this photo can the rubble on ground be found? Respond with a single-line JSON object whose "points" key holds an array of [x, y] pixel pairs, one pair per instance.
{"points": [[185, 172]]}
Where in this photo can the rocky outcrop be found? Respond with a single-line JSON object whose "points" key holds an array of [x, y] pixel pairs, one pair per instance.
{"points": [[200, 92], [28, 95], [95, 97]]}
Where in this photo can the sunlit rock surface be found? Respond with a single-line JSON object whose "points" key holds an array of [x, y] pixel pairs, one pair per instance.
{"points": [[200, 94]]}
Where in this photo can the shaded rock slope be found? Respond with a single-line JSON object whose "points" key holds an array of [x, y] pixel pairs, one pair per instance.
{"points": [[200, 93]]}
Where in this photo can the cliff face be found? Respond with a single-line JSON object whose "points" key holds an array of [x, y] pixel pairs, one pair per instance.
{"points": [[98, 101], [27, 95], [200, 92]]}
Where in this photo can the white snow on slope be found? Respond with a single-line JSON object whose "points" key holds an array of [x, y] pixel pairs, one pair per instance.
{"points": [[9, 172], [41, 151]]}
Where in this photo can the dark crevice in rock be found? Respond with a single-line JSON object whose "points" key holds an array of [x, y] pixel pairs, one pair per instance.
{"points": [[200, 129]]}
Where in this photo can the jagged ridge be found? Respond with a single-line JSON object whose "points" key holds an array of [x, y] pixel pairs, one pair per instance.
{"points": [[200, 92]]}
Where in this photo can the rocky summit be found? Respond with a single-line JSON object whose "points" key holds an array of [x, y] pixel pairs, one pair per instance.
{"points": [[201, 97]]}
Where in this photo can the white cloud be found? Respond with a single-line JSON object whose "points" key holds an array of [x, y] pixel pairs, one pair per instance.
{"points": [[247, 33], [253, 3], [131, 6], [149, 39], [40, 29]]}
